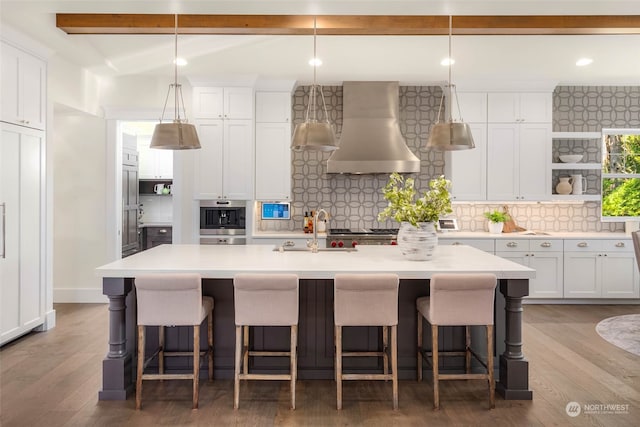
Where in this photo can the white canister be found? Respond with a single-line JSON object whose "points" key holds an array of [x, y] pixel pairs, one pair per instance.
{"points": [[578, 184], [158, 188]]}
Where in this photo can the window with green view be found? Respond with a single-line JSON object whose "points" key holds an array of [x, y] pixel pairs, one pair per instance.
{"points": [[620, 173]]}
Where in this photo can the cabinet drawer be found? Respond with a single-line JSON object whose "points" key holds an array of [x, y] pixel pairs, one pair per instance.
{"points": [[583, 245], [513, 245], [487, 245], [618, 245], [546, 245]]}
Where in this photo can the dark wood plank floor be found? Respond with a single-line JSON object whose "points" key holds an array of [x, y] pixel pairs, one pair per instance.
{"points": [[53, 378]]}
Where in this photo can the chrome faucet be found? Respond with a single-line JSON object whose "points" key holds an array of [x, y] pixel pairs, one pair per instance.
{"points": [[313, 245]]}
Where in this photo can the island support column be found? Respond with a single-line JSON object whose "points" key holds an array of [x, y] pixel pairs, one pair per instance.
{"points": [[117, 369], [514, 368]]}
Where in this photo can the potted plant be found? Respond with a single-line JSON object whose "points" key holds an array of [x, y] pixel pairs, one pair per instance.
{"points": [[496, 221], [417, 216]]}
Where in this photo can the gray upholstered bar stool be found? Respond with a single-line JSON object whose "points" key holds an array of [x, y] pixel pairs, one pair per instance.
{"points": [[172, 300], [458, 300], [264, 300], [636, 245], [367, 300]]}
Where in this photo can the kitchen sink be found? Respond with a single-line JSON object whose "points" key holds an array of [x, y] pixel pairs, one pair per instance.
{"points": [[302, 249]]}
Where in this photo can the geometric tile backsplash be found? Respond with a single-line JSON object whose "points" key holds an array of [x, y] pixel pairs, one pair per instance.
{"points": [[354, 201]]}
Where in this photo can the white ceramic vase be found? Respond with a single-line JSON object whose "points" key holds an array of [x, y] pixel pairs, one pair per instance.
{"points": [[417, 243], [495, 227]]}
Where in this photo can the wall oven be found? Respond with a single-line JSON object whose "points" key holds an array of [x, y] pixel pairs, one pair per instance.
{"points": [[222, 222]]}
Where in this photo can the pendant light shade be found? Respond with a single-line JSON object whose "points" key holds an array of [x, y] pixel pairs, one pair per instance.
{"points": [[450, 135], [179, 134], [313, 134]]}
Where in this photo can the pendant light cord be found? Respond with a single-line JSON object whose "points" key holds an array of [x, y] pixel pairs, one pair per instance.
{"points": [[175, 68]]}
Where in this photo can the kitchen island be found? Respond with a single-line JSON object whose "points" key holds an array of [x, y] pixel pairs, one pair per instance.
{"points": [[218, 265]]}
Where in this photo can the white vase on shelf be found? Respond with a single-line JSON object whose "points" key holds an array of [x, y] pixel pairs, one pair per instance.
{"points": [[495, 227]]}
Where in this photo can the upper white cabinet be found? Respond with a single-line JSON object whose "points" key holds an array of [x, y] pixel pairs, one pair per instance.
{"points": [[22, 294], [23, 88], [519, 107], [518, 166], [273, 142], [467, 169], [224, 165], [223, 103], [154, 163], [273, 107]]}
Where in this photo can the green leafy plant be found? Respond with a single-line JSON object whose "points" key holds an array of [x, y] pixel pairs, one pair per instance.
{"points": [[403, 205], [496, 216]]}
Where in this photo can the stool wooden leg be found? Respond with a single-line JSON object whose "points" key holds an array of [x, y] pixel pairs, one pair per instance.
{"points": [[419, 364], [245, 350], [492, 384], [394, 363], [467, 348], [385, 349], [210, 344], [294, 363], [338, 334], [434, 351], [196, 364], [161, 352], [140, 366], [236, 376]]}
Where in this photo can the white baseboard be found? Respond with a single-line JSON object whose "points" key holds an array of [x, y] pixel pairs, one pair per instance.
{"points": [[81, 295], [49, 321]]}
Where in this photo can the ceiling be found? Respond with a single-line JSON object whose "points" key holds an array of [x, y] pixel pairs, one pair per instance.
{"points": [[481, 61]]}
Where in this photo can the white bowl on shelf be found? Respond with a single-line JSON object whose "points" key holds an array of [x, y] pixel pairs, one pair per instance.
{"points": [[570, 158]]}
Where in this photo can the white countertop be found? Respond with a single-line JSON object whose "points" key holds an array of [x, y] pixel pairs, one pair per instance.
{"points": [[213, 261], [155, 224], [286, 235]]}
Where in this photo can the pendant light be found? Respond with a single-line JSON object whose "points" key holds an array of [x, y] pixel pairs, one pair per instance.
{"points": [[313, 134], [450, 135], [179, 134]]}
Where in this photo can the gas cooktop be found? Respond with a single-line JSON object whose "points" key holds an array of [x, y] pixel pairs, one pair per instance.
{"points": [[362, 231]]}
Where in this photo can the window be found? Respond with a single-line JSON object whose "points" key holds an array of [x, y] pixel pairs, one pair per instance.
{"points": [[620, 174]]}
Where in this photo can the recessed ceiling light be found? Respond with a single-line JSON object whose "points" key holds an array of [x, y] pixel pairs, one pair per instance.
{"points": [[583, 61], [180, 62], [315, 62], [447, 61]]}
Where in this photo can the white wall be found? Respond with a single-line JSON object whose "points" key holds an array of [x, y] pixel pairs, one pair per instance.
{"points": [[79, 240], [73, 86]]}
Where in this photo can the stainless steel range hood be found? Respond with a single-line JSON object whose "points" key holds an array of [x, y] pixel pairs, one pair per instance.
{"points": [[371, 141]]}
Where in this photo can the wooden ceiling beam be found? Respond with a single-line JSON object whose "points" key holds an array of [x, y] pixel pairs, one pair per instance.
{"points": [[91, 23]]}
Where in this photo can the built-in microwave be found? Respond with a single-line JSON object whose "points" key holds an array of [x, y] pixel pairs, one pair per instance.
{"points": [[225, 217]]}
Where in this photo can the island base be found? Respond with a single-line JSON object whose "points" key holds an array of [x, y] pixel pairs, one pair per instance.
{"points": [[514, 379]]}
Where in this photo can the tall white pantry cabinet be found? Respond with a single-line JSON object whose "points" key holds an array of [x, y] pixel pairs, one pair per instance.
{"points": [[22, 192]]}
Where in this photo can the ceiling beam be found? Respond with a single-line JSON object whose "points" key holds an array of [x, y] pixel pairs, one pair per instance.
{"points": [[92, 23]]}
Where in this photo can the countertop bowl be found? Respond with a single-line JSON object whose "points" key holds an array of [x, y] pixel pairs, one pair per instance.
{"points": [[570, 158]]}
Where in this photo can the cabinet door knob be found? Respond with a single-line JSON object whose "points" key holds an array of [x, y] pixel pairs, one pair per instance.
{"points": [[456, 243], [162, 231], [620, 245], [582, 245], [545, 245], [512, 245]]}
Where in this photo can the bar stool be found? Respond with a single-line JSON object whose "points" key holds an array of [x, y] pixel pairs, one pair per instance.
{"points": [[172, 300], [264, 300], [367, 300], [458, 300]]}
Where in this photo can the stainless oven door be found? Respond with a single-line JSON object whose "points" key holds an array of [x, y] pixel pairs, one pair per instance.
{"points": [[223, 240]]}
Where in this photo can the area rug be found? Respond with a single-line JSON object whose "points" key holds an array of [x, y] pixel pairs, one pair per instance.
{"points": [[622, 331]]}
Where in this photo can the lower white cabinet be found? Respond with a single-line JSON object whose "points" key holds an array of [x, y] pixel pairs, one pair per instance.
{"points": [[22, 290], [487, 245], [600, 269], [545, 256]]}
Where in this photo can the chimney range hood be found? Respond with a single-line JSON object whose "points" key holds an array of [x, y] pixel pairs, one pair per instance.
{"points": [[371, 141]]}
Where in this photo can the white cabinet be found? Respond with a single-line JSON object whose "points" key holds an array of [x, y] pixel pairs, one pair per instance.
{"points": [[545, 256], [518, 166], [22, 292], [224, 165], [154, 163], [223, 103], [487, 245], [519, 107], [600, 269], [273, 146], [23, 88]]}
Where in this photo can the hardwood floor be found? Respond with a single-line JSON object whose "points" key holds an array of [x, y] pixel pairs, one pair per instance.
{"points": [[53, 378]]}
